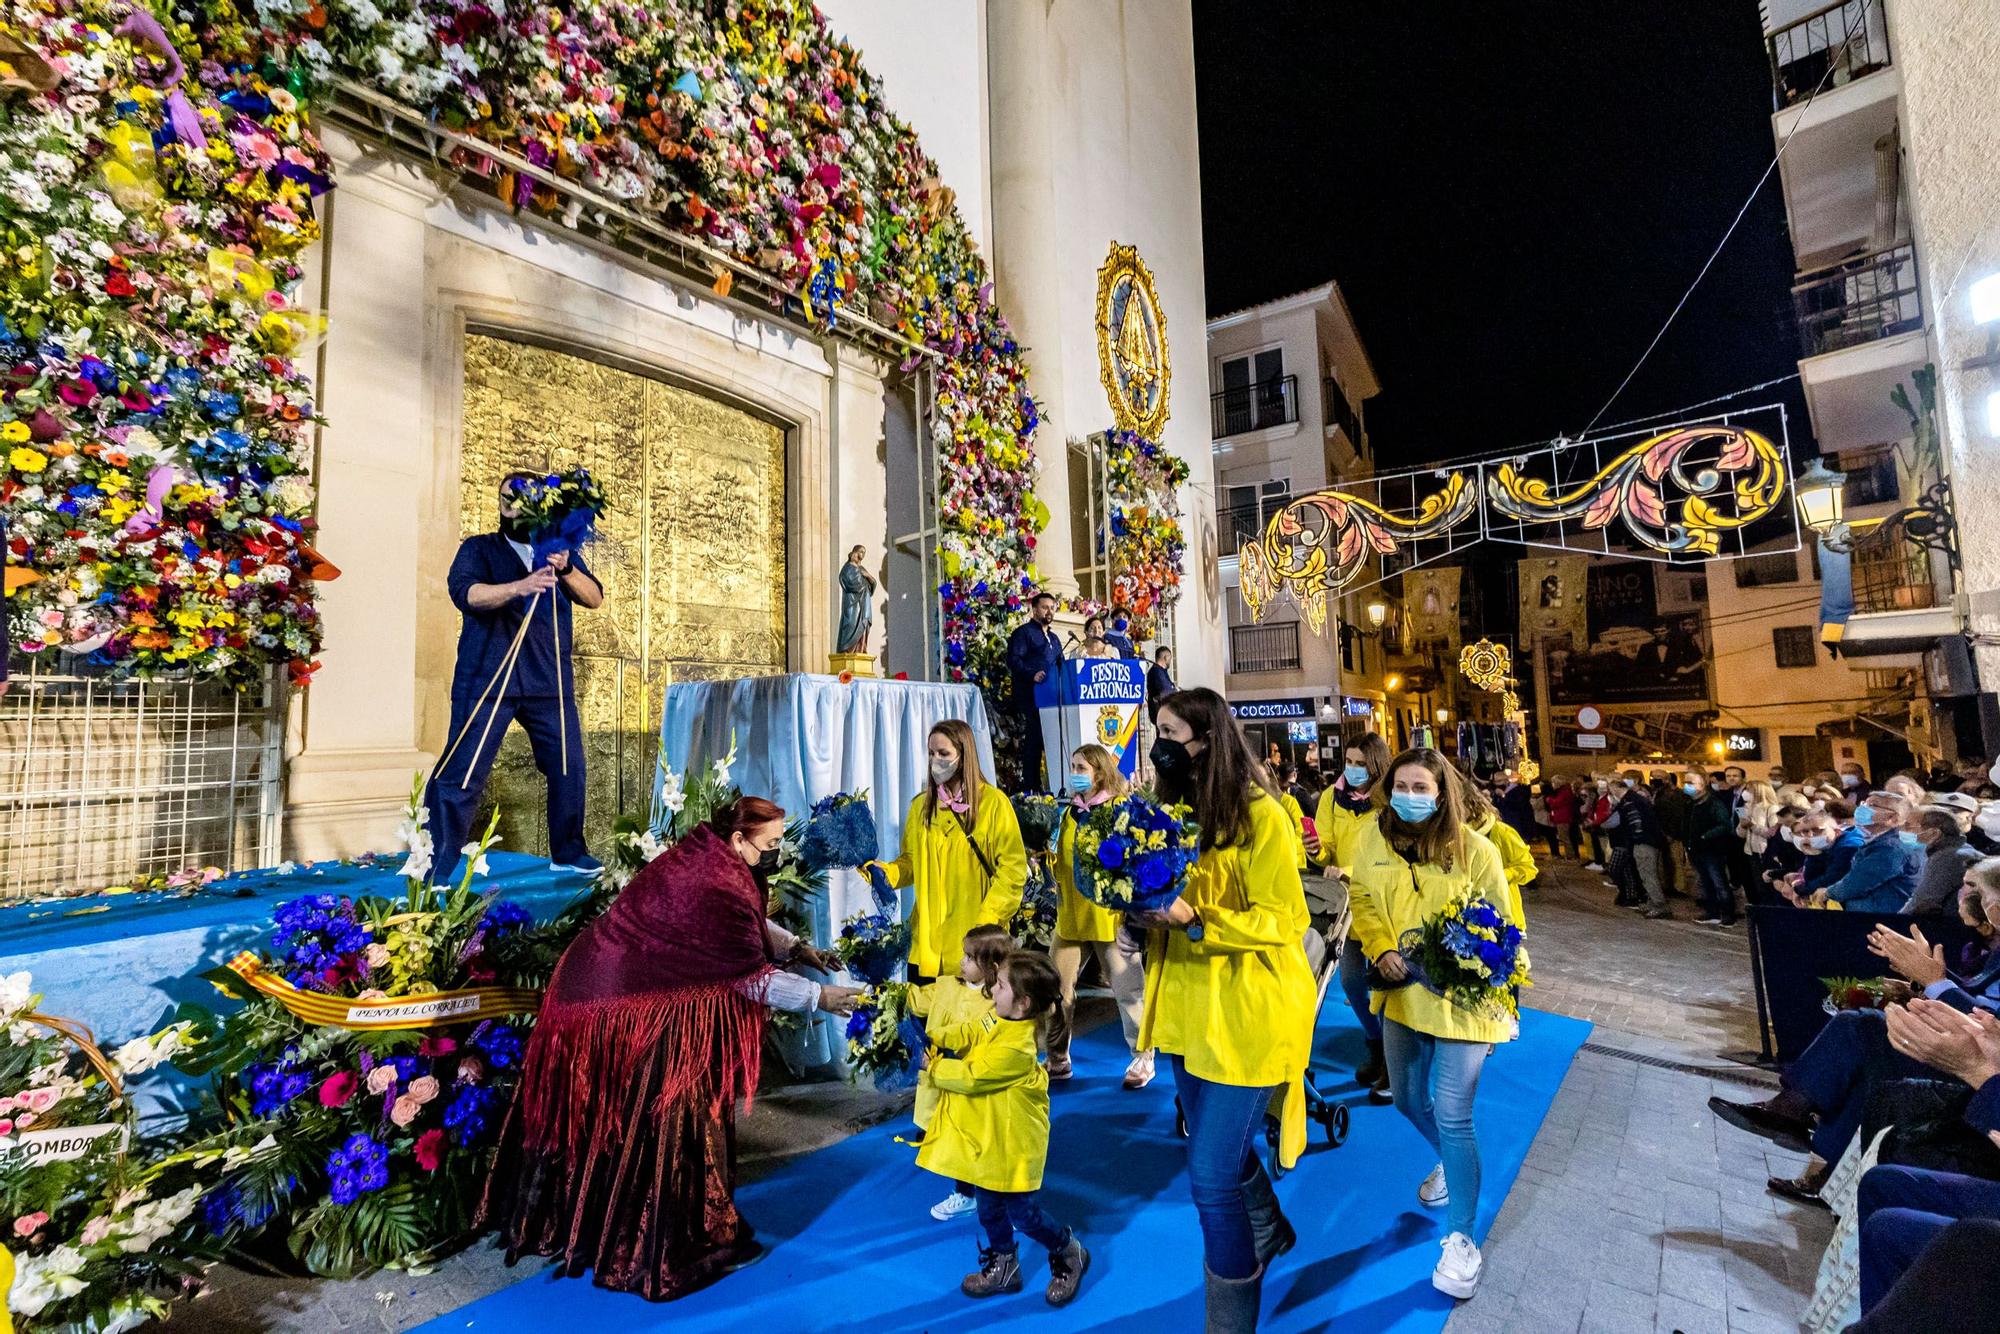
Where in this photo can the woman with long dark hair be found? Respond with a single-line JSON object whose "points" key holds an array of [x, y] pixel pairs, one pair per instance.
{"points": [[619, 1152], [1229, 995], [962, 853], [1342, 810], [1416, 857]]}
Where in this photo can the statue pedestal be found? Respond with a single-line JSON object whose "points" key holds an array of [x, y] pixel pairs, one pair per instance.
{"points": [[854, 664]]}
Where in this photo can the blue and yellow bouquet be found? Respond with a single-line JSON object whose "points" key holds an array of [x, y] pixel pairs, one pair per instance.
{"points": [[1471, 955], [1039, 816], [1034, 924], [1134, 854], [872, 947], [558, 511], [880, 1034], [840, 833]]}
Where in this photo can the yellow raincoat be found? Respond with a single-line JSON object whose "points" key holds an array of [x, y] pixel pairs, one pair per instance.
{"points": [[991, 1124], [1077, 918], [1237, 1005], [944, 1006], [1298, 818], [954, 892], [1389, 896], [1336, 825], [1515, 861]]}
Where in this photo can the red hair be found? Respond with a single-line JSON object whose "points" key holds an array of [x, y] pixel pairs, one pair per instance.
{"points": [[744, 814]]}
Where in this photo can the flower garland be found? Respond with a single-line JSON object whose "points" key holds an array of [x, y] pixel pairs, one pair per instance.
{"points": [[1146, 544], [153, 448]]}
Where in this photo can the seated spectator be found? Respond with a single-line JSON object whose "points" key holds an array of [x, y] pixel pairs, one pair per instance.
{"points": [[1885, 868], [1829, 845], [1823, 1093], [1781, 856], [1943, 872], [1904, 1209]]}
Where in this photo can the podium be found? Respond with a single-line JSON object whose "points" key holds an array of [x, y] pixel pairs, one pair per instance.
{"points": [[1091, 699]]}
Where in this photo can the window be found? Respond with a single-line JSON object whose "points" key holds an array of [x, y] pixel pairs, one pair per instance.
{"points": [[1794, 646], [1776, 567], [1255, 393], [1871, 477]]}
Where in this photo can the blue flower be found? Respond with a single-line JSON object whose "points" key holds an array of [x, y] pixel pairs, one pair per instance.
{"points": [[273, 1085], [357, 1167], [466, 1117], [1111, 853], [501, 1046], [504, 918]]}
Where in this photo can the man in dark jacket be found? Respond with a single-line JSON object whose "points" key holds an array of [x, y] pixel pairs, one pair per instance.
{"points": [[1634, 823], [1159, 682], [1711, 830], [1033, 656], [1944, 863]]}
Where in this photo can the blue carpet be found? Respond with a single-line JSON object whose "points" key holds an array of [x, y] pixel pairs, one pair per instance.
{"points": [[855, 1250]]}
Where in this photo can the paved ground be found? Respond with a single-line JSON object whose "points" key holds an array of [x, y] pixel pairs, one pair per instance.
{"points": [[1634, 1211]]}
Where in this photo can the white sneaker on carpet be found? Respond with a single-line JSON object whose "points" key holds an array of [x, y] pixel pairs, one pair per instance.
{"points": [[1140, 1072], [1434, 1194], [953, 1206], [1457, 1272]]}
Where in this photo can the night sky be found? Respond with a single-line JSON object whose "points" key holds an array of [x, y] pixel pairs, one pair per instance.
{"points": [[1512, 197]]}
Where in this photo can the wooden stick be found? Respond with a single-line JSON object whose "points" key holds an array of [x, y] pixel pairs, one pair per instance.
{"points": [[508, 676], [555, 633], [506, 664]]}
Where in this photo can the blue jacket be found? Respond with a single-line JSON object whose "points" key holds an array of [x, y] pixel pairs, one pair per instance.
{"points": [[543, 668], [1824, 868], [1881, 878], [1031, 649], [1979, 991]]}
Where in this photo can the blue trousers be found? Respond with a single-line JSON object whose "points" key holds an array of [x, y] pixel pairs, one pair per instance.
{"points": [[1902, 1211], [1711, 875], [1434, 1080], [1223, 1121], [452, 805], [1354, 982], [1850, 1055], [1001, 1212]]}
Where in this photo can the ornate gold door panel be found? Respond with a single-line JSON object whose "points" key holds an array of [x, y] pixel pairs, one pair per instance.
{"points": [[691, 553]]}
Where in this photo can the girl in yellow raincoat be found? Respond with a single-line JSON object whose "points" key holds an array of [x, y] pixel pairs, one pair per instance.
{"points": [[1083, 927], [991, 1128], [1229, 995], [962, 851], [947, 1006]]}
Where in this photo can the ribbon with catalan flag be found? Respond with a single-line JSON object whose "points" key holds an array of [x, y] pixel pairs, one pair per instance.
{"points": [[432, 1009]]}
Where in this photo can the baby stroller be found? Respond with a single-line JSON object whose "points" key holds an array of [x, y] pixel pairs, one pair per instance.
{"points": [[1325, 939]]}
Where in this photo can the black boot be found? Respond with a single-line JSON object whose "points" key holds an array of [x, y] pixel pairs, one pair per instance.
{"points": [[1376, 1067], [1233, 1302], [1270, 1231]]}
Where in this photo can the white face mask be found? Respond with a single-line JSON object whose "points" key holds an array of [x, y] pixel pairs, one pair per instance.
{"points": [[943, 771]]}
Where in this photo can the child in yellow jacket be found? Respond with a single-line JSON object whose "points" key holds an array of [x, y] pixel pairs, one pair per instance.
{"points": [[991, 1128], [947, 1006]]}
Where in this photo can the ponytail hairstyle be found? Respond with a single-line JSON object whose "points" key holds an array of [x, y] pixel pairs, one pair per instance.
{"points": [[1219, 781], [1438, 841], [959, 733], [742, 815], [988, 946]]}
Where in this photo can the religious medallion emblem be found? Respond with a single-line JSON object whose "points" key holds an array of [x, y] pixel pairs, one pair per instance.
{"points": [[1132, 343]]}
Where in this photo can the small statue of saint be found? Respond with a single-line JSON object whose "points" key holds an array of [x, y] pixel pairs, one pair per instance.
{"points": [[857, 604]]}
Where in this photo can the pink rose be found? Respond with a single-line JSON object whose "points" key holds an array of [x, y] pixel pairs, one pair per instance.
{"points": [[24, 1120], [381, 1079], [37, 1099], [338, 1088], [6, 1125], [471, 1070], [27, 1225], [405, 1110], [94, 1231], [423, 1089]]}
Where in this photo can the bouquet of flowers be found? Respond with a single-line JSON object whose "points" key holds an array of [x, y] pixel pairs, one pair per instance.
{"points": [[1135, 854], [85, 1222], [1863, 993], [873, 946], [1040, 816], [1470, 954], [879, 1037], [840, 832], [559, 511], [1034, 924]]}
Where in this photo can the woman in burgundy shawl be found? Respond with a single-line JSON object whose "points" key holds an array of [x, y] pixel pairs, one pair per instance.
{"points": [[619, 1152]]}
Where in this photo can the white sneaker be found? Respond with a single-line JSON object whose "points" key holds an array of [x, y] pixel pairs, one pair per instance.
{"points": [[1457, 1272], [1593, 866], [1140, 1072], [1434, 1194], [953, 1206]]}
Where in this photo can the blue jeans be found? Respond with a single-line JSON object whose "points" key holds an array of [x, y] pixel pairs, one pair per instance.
{"points": [[1711, 874], [1434, 1080], [1903, 1209], [1354, 981], [1002, 1211], [1223, 1121]]}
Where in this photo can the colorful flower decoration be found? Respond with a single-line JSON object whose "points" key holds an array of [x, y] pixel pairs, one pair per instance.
{"points": [[1145, 544]]}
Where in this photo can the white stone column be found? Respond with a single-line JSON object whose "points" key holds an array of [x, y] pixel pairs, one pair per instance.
{"points": [[1025, 249]]}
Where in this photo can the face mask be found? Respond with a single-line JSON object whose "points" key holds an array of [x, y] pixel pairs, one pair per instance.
{"points": [[1819, 842], [1603, 785], [1079, 783], [1357, 775], [1850, 780], [1864, 816], [767, 860], [1413, 807], [942, 771], [1170, 757], [1690, 789], [1909, 839]]}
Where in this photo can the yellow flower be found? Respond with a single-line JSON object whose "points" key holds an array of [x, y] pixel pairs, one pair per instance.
{"points": [[24, 459], [14, 433]]}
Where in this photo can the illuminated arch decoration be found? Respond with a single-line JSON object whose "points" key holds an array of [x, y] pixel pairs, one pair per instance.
{"points": [[1320, 543], [1675, 492], [1485, 664], [1132, 343]]}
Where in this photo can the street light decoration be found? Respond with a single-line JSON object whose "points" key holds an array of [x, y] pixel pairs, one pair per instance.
{"points": [[1821, 496], [1485, 664]]}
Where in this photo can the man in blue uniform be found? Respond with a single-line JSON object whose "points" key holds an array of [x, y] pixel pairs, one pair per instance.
{"points": [[1033, 655], [495, 581]]}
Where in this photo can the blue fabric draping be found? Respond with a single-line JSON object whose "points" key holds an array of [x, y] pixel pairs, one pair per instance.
{"points": [[803, 737]]}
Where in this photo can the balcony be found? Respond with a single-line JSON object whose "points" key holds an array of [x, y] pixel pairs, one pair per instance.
{"points": [[1835, 46], [1340, 412], [1254, 407], [1264, 648], [1861, 333], [1238, 524], [1903, 597]]}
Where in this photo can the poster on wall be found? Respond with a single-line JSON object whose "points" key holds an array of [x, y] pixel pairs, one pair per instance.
{"points": [[1664, 661], [1552, 596], [1430, 605], [1621, 598]]}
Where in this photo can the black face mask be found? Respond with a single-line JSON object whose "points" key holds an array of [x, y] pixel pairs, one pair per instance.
{"points": [[1171, 758], [513, 528], [767, 860]]}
